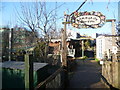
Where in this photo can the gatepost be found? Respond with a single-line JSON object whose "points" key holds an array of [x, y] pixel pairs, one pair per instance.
{"points": [[28, 70], [64, 51]]}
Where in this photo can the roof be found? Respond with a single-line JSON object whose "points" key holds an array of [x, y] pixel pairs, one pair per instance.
{"points": [[107, 36], [84, 39], [55, 40], [58, 40], [20, 65]]}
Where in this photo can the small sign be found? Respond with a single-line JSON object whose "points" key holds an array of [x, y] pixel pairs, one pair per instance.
{"points": [[71, 52], [101, 62], [87, 19]]}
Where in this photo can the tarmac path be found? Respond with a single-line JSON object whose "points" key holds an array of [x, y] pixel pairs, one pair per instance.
{"points": [[86, 75]]}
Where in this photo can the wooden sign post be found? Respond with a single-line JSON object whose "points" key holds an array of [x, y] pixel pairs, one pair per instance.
{"points": [[64, 52], [64, 44], [64, 48]]}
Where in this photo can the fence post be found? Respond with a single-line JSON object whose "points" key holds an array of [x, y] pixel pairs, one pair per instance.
{"points": [[28, 72], [118, 69]]}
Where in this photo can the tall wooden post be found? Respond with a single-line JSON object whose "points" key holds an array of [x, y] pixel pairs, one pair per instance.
{"points": [[64, 45], [28, 72], [113, 32], [64, 53]]}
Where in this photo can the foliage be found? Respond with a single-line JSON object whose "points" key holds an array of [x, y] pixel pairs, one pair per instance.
{"points": [[96, 59], [40, 51], [118, 28], [85, 57], [118, 33], [92, 48], [19, 52], [5, 43], [87, 44]]}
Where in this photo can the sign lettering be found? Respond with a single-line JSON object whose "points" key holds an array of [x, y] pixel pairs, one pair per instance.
{"points": [[87, 19]]}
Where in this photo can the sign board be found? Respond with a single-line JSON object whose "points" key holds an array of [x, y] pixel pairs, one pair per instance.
{"points": [[101, 62], [87, 19], [71, 34], [71, 52]]}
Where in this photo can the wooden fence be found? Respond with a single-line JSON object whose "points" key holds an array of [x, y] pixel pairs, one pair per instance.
{"points": [[56, 80], [111, 71]]}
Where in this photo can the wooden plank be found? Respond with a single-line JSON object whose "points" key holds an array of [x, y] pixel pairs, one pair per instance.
{"points": [[110, 20], [50, 78]]}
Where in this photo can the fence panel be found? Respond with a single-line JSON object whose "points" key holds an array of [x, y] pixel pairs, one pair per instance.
{"points": [[56, 80]]}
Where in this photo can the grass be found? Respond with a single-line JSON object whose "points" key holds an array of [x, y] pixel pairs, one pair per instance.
{"points": [[98, 61]]}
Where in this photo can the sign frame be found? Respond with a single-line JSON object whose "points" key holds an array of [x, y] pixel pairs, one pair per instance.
{"points": [[87, 19]]}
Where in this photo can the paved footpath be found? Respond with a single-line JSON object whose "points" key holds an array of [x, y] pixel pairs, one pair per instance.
{"points": [[86, 75]]}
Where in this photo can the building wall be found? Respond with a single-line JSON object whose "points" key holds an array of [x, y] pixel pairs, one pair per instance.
{"points": [[103, 44], [99, 47]]}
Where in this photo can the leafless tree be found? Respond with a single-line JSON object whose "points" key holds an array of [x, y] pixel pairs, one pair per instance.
{"points": [[39, 18]]}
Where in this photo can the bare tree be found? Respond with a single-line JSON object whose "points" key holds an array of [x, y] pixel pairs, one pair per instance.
{"points": [[39, 18]]}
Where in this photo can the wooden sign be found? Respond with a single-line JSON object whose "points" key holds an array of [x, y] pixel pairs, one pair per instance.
{"points": [[87, 19]]}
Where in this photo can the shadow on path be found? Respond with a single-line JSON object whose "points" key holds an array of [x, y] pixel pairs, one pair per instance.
{"points": [[86, 75]]}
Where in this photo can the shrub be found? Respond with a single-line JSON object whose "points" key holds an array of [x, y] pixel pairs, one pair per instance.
{"points": [[96, 59], [85, 57]]}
